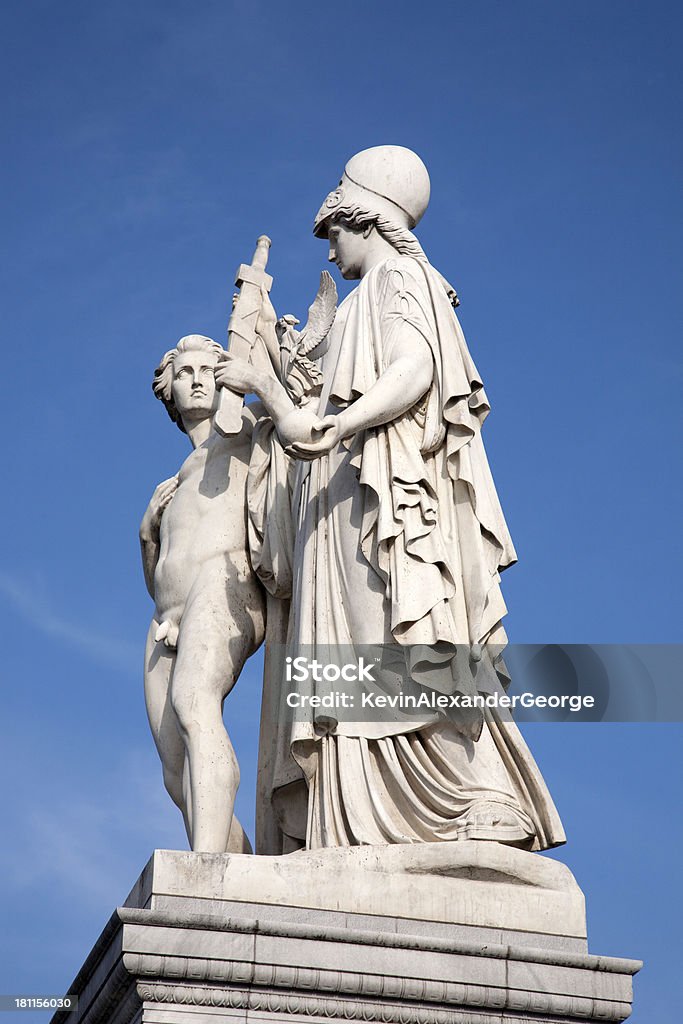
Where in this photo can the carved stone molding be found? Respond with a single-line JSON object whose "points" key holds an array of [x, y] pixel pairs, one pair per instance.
{"points": [[192, 958], [286, 983], [333, 1008]]}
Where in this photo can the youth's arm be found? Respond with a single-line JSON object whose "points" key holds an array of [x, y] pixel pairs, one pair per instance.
{"points": [[292, 423], [149, 549], [150, 529]]}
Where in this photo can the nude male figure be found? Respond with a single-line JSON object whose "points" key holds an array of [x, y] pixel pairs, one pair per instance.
{"points": [[209, 607]]}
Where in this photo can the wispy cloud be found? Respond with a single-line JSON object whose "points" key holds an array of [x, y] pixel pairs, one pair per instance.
{"points": [[93, 843], [29, 597]]}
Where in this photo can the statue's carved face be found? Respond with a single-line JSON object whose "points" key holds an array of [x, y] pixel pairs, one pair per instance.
{"points": [[194, 386], [347, 249]]}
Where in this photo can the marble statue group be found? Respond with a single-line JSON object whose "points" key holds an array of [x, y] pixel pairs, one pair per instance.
{"points": [[336, 512], [350, 504]]}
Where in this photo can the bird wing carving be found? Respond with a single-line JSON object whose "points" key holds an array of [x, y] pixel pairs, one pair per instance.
{"points": [[321, 315]]}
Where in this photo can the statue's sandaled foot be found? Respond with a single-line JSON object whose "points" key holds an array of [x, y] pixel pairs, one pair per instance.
{"points": [[496, 822]]}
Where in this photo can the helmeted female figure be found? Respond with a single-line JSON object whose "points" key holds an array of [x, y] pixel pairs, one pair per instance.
{"points": [[400, 541]]}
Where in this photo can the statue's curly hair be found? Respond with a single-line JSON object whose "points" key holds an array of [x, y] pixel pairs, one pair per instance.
{"points": [[401, 239], [359, 217], [162, 384]]}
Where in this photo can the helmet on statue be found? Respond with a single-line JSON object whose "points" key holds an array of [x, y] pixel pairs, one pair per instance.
{"points": [[390, 181]]}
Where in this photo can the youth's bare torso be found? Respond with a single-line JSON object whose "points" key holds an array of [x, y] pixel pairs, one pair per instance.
{"points": [[209, 618], [203, 534]]}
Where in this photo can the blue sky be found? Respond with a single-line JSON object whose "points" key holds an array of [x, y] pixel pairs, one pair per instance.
{"points": [[145, 148]]}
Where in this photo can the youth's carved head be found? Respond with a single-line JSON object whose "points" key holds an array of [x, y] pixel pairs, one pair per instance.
{"points": [[384, 189], [184, 380]]}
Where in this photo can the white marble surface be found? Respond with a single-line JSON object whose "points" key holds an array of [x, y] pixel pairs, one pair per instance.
{"points": [[478, 884], [399, 540], [200, 958], [209, 605]]}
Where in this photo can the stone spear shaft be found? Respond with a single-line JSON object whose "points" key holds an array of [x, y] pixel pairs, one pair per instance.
{"points": [[250, 280]]}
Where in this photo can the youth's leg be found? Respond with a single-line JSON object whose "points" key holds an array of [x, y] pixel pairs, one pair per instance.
{"points": [[159, 668], [216, 637]]}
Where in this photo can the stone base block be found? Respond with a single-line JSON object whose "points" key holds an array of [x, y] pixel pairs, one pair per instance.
{"points": [[450, 933]]}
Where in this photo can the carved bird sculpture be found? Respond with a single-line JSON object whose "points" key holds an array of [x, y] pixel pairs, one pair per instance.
{"points": [[301, 376]]}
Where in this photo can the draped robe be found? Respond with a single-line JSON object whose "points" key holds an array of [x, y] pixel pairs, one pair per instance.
{"points": [[400, 540]]}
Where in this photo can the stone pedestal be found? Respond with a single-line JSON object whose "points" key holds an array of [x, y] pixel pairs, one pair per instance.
{"points": [[443, 933]]}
